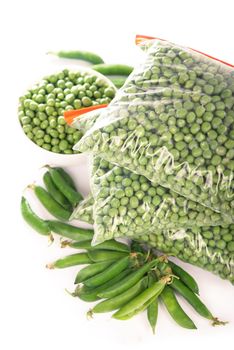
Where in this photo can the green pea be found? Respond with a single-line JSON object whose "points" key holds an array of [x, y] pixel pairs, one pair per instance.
{"points": [[194, 128], [216, 159], [63, 144], [128, 192], [230, 246], [86, 101], [134, 202], [46, 146]]}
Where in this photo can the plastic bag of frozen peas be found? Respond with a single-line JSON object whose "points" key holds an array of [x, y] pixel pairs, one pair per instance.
{"points": [[125, 202], [84, 210], [172, 122], [211, 248]]}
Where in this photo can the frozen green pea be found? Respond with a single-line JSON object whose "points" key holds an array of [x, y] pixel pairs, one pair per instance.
{"points": [[46, 146], [195, 128], [134, 202], [53, 122], [86, 101], [205, 127], [128, 192], [47, 138], [212, 134], [63, 144], [115, 203], [39, 142], [230, 246]]}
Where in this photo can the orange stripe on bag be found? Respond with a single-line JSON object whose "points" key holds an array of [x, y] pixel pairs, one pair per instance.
{"points": [[69, 116], [141, 38]]}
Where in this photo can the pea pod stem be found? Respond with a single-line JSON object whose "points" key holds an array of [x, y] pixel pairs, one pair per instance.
{"points": [[65, 243]]}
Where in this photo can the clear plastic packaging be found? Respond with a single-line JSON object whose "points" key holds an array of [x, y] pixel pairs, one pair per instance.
{"points": [[84, 210], [172, 122], [125, 202], [211, 248], [157, 206]]}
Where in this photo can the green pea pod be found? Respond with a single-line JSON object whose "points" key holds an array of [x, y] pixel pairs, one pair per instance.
{"points": [[32, 219], [113, 69], [137, 311], [70, 260], [117, 81], [69, 231], [67, 178], [121, 299], [53, 207], [129, 281], [107, 245], [91, 270], [104, 255], [111, 271], [175, 310], [79, 55], [54, 192], [193, 300], [185, 277], [136, 303], [73, 196], [91, 294], [152, 313], [152, 309]]}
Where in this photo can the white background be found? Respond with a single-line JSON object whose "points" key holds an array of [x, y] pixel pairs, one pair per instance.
{"points": [[35, 311]]}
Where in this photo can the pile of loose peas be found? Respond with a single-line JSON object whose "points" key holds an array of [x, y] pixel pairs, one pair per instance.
{"points": [[42, 107]]}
